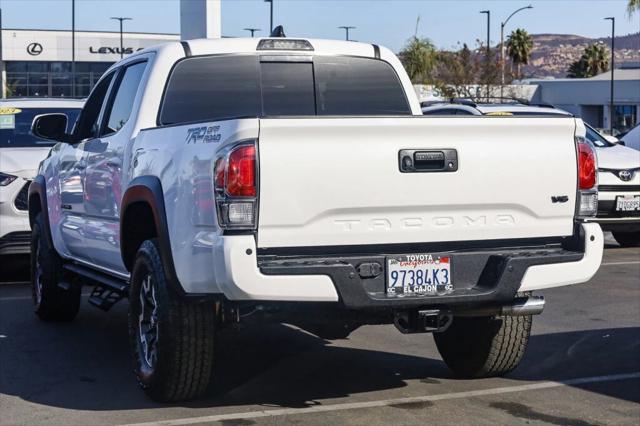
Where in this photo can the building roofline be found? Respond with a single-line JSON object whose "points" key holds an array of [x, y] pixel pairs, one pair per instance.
{"points": [[90, 31]]}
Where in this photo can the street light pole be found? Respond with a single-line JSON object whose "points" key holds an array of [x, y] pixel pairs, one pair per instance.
{"points": [[612, 111], [346, 29], [502, 53], [488, 12], [270, 15], [73, 48], [121, 41], [253, 30], [3, 89]]}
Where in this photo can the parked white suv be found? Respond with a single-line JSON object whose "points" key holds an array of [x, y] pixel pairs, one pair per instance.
{"points": [[618, 189], [235, 180], [20, 154]]}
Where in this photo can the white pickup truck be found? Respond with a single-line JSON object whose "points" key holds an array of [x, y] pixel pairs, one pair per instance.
{"points": [[219, 181]]}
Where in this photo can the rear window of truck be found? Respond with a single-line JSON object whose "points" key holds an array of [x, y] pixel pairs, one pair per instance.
{"points": [[224, 87]]}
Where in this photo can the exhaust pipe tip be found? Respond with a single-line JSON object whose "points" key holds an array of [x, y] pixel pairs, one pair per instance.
{"points": [[522, 306]]}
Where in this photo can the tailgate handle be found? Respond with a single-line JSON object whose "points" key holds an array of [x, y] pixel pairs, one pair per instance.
{"points": [[416, 160]]}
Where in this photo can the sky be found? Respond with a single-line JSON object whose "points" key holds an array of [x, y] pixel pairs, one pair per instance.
{"points": [[447, 23]]}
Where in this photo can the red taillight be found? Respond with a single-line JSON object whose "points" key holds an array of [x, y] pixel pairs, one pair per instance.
{"points": [[219, 172], [586, 166], [235, 177], [241, 172]]}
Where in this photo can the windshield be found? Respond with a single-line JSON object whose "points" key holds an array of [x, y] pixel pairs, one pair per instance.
{"points": [[596, 139], [15, 125]]}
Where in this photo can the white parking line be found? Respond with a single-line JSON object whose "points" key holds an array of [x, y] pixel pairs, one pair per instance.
{"points": [[16, 298], [631, 262], [387, 402], [30, 297]]}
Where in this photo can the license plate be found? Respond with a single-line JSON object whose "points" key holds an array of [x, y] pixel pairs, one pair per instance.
{"points": [[419, 274], [628, 203]]}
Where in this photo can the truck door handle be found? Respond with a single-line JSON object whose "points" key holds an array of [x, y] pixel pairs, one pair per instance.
{"points": [[432, 160]]}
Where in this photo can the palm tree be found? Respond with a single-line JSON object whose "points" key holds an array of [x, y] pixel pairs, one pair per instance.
{"points": [[594, 60], [519, 47], [632, 7], [418, 58]]}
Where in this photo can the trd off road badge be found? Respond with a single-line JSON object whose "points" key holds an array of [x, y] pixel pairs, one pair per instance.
{"points": [[204, 134]]}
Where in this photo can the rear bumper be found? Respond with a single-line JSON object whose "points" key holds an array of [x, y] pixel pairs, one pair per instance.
{"points": [[618, 224], [479, 276], [612, 220]]}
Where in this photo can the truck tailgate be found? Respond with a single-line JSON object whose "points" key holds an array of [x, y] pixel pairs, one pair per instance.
{"points": [[337, 181]]}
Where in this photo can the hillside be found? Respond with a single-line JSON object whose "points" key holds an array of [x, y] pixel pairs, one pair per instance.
{"points": [[553, 53]]}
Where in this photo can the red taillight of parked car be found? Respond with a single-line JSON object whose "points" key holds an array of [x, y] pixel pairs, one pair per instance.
{"points": [[587, 170]]}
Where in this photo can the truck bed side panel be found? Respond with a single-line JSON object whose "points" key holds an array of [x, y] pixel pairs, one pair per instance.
{"points": [[183, 158]]}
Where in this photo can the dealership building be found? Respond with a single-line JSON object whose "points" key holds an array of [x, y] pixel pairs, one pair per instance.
{"points": [[36, 63], [590, 98]]}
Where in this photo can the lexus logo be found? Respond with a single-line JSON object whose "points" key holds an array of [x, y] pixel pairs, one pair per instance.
{"points": [[34, 49], [625, 175]]}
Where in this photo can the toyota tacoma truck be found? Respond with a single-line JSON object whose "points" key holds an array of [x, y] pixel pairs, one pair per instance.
{"points": [[215, 182]]}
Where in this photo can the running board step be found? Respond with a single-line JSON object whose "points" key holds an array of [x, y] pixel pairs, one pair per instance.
{"points": [[108, 290], [64, 285], [104, 280], [104, 298]]}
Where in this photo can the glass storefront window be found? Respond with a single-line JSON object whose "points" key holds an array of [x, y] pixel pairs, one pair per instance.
{"points": [[38, 67], [60, 67], [38, 78], [625, 117]]}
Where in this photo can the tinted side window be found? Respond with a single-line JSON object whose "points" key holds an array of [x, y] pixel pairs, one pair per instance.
{"points": [[120, 109], [358, 86], [212, 88], [446, 111], [287, 88], [88, 125], [596, 139]]}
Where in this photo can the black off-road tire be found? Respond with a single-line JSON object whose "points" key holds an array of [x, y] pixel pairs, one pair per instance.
{"points": [[51, 302], [479, 347], [178, 366], [627, 239]]}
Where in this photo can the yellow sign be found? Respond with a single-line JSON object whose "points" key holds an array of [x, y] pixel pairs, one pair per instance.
{"points": [[502, 113], [9, 111]]}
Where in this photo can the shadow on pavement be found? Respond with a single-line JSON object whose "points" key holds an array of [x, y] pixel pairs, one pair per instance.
{"points": [[85, 365], [14, 268]]}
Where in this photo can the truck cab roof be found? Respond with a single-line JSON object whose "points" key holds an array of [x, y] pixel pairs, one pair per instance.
{"points": [[42, 103], [286, 45]]}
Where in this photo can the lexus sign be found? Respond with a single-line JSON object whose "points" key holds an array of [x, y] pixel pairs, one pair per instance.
{"points": [[34, 49], [106, 50]]}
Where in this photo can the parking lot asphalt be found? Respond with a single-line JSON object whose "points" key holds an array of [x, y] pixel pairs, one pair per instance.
{"points": [[582, 367]]}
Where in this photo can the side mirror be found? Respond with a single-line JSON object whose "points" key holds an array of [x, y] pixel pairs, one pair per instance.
{"points": [[51, 126]]}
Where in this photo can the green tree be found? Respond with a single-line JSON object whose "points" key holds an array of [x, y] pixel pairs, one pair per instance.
{"points": [[519, 47], [594, 60], [632, 7], [456, 72], [419, 60]]}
